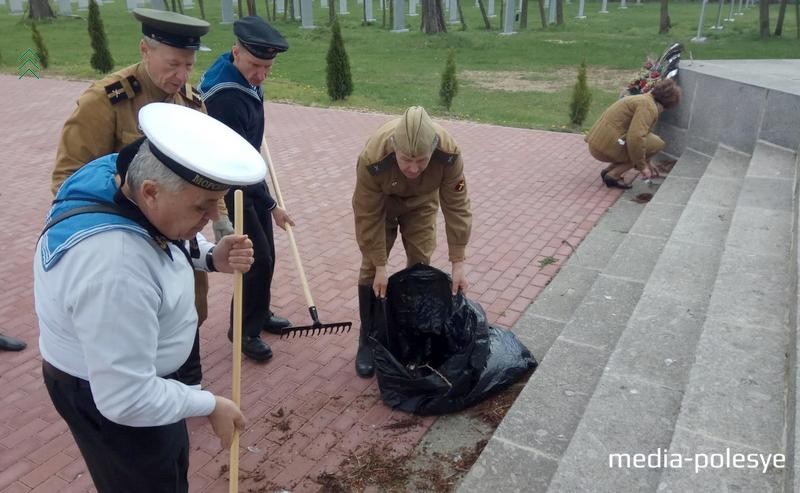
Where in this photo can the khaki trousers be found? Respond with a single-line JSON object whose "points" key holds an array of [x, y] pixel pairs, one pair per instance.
{"points": [[653, 145], [415, 218]]}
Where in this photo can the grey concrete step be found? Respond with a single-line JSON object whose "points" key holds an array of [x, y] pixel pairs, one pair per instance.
{"points": [[792, 409], [544, 320], [637, 399], [593, 290], [735, 399]]}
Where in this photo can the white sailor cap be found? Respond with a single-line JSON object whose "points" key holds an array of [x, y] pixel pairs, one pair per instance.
{"points": [[201, 150]]}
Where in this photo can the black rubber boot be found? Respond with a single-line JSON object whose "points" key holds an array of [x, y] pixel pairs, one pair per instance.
{"points": [[365, 359]]}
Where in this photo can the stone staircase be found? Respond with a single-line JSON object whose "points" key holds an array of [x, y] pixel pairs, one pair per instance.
{"points": [[667, 332], [668, 342]]}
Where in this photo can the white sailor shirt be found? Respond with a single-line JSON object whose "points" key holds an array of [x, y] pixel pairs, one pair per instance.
{"points": [[119, 312]]}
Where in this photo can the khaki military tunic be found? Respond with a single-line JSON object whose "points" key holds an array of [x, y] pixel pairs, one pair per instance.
{"points": [[630, 119], [385, 200], [106, 120]]}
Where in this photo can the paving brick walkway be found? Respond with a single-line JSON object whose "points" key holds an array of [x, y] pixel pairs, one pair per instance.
{"points": [[533, 195]]}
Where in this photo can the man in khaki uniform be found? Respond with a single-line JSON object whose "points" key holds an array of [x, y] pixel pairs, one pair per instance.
{"points": [[106, 118], [623, 135], [407, 168]]}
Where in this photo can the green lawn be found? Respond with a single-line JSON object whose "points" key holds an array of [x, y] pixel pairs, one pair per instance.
{"points": [[523, 80]]}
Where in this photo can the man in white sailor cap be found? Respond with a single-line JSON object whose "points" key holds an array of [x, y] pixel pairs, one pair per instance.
{"points": [[114, 295], [105, 119]]}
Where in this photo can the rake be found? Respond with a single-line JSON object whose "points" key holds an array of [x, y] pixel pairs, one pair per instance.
{"points": [[317, 327]]}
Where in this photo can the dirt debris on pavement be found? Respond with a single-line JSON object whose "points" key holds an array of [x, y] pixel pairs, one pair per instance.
{"points": [[492, 410], [403, 424], [376, 465]]}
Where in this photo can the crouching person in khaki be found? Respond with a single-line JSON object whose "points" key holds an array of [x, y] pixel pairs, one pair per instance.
{"points": [[623, 135]]}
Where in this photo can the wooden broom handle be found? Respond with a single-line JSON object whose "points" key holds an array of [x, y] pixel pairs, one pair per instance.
{"points": [[236, 393], [292, 243]]}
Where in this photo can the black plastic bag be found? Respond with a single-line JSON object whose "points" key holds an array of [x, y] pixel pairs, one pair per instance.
{"points": [[435, 353]]}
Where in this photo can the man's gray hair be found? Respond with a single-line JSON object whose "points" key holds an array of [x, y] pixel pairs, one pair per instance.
{"points": [[150, 42], [145, 166]]}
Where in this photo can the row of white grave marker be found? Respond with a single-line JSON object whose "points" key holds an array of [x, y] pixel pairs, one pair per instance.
{"points": [[303, 11], [699, 38], [16, 7]]}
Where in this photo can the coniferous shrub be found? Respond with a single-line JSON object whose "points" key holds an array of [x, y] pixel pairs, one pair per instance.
{"points": [[449, 87], [101, 58], [339, 80], [41, 49], [581, 98]]}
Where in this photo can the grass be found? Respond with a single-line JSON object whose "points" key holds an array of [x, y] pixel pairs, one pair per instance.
{"points": [[547, 261], [392, 71]]}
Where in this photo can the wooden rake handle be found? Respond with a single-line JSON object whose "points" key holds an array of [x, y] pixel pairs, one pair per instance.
{"points": [[292, 243], [236, 392]]}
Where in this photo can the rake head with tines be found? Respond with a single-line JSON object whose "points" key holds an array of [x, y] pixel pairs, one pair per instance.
{"points": [[316, 328]]}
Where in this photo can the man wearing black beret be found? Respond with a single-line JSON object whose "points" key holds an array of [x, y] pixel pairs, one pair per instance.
{"points": [[231, 90]]}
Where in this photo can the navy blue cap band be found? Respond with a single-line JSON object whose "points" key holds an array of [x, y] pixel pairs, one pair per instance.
{"points": [[262, 52], [174, 40]]}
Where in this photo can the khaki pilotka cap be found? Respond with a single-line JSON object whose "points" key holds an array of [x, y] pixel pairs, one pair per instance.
{"points": [[415, 134]]}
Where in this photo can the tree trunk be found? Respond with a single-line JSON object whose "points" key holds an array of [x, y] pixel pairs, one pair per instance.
{"points": [[461, 15], [332, 11], [781, 15], [203, 9], [266, 10], [664, 24], [559, 12], [251, 7], [485, 17], [432, 21], [390, 8], [763, 18], [542, 15], [40, 9], [797, 16], [523, 16]]}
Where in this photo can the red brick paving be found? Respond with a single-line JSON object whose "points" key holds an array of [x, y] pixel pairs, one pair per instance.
{"points": [[532, 193]]}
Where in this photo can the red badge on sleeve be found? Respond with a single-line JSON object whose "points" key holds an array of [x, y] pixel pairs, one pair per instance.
{"points": [[460, 186]]}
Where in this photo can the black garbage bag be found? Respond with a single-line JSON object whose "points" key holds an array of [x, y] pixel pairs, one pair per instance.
{"points": [[435, 353]]}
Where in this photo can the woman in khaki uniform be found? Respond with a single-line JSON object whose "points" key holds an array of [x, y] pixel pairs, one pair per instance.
{"points": [[623, 135], [408, 168]]}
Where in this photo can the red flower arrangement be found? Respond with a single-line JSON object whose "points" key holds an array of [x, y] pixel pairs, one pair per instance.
{"points": [[666, 67]]}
